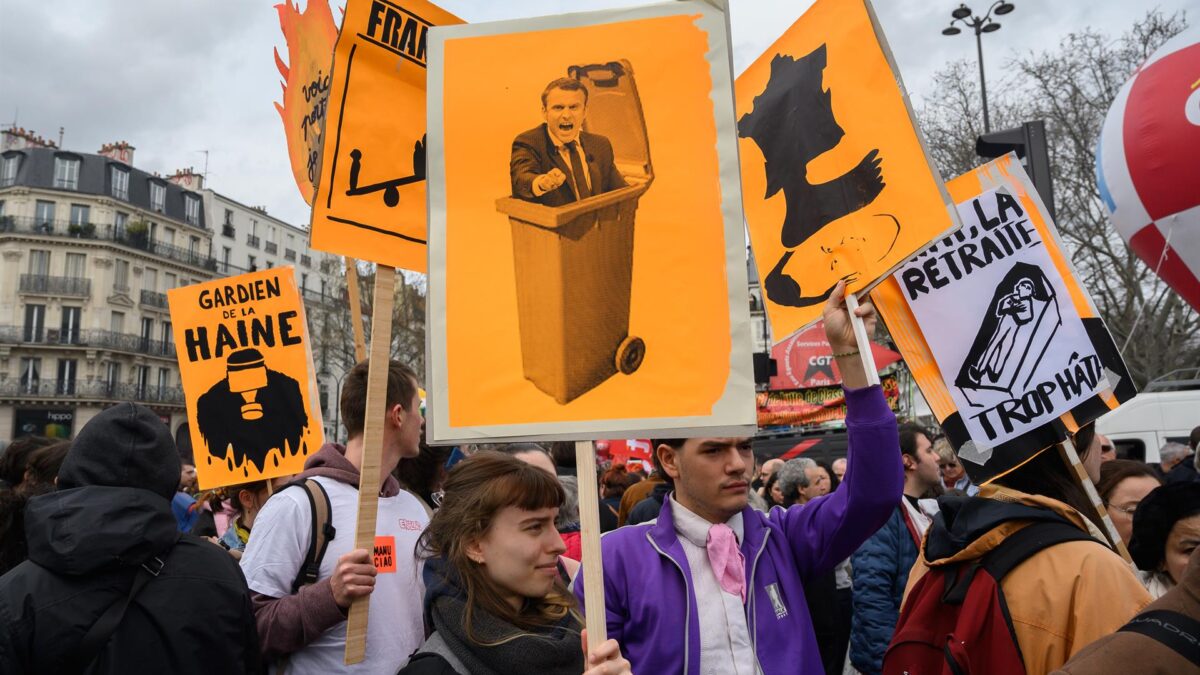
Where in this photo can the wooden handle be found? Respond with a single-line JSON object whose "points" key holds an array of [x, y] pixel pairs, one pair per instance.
{"points": [[360, 344], [593, 566], [863, 340], [1071, 457], [369, 479]]}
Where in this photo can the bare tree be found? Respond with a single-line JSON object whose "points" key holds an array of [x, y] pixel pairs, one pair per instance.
{"points": [[1071, 87]]}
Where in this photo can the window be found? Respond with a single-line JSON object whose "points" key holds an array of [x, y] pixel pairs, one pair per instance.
{"points": [[303, 281], [166, 337], [35, 322], [66, 173], [150, 280], [251, 264], [158, 196], [80, 214], [191, 209], [39, 262], [147, 333], [120, 183], [229, 217], [168, 236], [112, 377], [121, 276], [9, 168], [225, 253], [193, 245], [76, 264], [164, 379], [143, 374], [44, 213], [68, 333], [31, 378], [66, 377], [116, 323], [170, 280]]}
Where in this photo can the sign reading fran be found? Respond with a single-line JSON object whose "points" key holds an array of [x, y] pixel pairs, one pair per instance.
{"points": [[370, 204], [1002, 339], [245, 363], [578, 289], [838, 184]]}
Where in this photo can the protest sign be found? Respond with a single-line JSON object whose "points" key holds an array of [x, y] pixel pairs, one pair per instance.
{"points": [[370, 201], [246, 363], [1002, 339], [616, 313], [837, 181], [815, 405], [805, 360]]}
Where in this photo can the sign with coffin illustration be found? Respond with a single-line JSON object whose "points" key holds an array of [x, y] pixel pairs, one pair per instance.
{"points": [[836, 179], [1001, 337], [245, 365]]}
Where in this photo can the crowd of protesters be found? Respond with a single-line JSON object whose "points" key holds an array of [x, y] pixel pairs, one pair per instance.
{"points": [[713, 562]]}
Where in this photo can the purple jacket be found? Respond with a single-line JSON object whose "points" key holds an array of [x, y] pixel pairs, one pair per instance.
{"points": [[648, 592]]}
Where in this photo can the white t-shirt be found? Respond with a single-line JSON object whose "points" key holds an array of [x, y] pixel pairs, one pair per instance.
{"points": [[276, 550]]}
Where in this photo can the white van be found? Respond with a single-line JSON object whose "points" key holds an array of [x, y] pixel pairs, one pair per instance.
{"points": [[1142, 425]]}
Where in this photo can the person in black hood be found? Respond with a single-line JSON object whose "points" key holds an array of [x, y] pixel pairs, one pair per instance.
{"points": [[110, 586]]}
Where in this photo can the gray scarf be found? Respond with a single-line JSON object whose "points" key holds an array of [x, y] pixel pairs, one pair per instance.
{"points": [[508, 650]]}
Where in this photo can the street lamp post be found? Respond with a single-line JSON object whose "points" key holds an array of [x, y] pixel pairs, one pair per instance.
{"points": [[980, 26]]}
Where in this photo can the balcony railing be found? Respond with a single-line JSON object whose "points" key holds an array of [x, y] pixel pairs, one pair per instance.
{"points": [[252, 240], [289, 254], [45, 284], [139, 239], [153, 299], [306, 260], [96, 339], [271, 247], [228, 231], [52, 388]]}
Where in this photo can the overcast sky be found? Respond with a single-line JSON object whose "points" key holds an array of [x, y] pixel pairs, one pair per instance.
{"points": [[175, 77]]}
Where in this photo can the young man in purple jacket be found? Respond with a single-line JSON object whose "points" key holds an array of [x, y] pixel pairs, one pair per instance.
{"points": [[713, 586]]}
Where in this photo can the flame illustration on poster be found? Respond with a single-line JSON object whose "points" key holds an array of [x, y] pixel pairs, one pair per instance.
{"points": [[1002, 339], [310, 38], [245, 364]]}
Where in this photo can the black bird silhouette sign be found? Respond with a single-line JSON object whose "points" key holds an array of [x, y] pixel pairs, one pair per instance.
{"points": [[836, 182]]}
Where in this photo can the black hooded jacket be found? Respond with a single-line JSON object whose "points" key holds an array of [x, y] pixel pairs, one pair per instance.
{"points": [[86, 544]]}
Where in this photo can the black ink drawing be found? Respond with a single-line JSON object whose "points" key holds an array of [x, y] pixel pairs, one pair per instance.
{"points": [[793, 124], [391, 193], [1014, 336], [251, 411]]}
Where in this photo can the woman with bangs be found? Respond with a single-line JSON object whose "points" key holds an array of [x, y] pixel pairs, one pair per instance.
{"points": [[496, 600]]}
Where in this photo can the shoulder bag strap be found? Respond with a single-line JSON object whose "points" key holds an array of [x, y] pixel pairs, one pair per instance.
{"points": [[322, 532], [104, 627], [1178, 631]]}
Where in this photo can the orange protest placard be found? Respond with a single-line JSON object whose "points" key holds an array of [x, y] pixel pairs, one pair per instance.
{"points": [[370, 201], [385, 554], [246, 364], [836, 180], [612, 302]]}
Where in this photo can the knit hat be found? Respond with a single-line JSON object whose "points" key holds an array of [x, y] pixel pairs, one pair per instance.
{"points": [[1155, 516], [126, 445]]}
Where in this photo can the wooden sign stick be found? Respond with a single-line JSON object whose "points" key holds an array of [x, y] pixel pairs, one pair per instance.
{"points": [[863, 340], [360, 343], [593, 565], [1067, 450], [369, 479]]}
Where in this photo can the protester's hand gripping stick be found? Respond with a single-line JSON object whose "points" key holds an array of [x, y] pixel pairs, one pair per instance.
{"points": [[863, 340]]}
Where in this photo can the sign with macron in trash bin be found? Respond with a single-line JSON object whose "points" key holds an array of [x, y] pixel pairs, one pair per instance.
{"points": [[587, 259], [1001, 337], [245, 362]]}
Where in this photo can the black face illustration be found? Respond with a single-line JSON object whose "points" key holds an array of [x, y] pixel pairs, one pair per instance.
{"points": [[793, 123], [250, 412]]}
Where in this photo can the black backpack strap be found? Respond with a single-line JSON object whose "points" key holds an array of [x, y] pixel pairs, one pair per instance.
{"points": [[1027, 541], [1177, 631], [102, 630], [322, 532]]}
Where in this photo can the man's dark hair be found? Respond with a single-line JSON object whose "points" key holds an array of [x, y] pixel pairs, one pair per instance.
{"points": [[908, 438], [1194, 439], [675, 443], [1082, 440], [566, 84], [401, 387], [562, 453], [521, 448]]}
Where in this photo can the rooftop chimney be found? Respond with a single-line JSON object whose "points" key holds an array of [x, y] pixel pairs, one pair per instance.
{"points": [[19, 138], [187, 179], [120, 151]]}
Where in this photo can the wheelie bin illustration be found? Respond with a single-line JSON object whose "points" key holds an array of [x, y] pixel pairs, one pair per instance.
{"points": [[574, 262]]}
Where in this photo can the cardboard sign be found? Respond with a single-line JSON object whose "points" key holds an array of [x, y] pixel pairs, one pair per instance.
{"points": [[246, 367], [1001, 337], [370, 201], [805, 360], [815, 405], [385, 554], [837, 182], [610, 288]]}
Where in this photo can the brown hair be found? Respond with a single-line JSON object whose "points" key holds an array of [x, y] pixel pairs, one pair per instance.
{"points": [[616, 481], [566, 84], [1113, 472], [1047, 474], [401, 387], [45, 462], [477, 488]]}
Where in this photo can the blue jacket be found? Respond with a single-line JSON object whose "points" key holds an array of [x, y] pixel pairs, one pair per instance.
{"points": [[881, 567], [648, 592]]}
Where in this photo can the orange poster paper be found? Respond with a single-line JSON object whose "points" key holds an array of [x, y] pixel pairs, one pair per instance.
{"points": [[835, 177], [370, 201], [555, 314], [245, 363], [385, 554]]}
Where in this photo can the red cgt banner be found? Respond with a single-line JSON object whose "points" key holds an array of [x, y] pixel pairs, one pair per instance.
{"points": [[805, 360]]}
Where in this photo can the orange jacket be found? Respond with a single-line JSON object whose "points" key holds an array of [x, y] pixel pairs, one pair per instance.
{"points": [[1061, 599]]}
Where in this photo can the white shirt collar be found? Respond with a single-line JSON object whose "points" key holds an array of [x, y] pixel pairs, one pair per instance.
{"points": [[695, 529]]}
